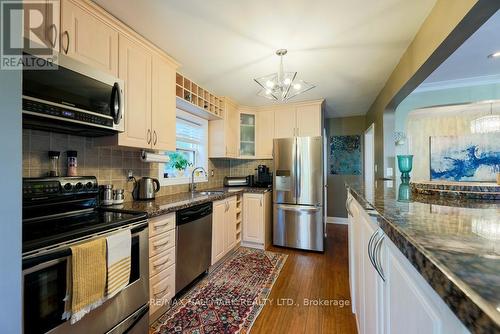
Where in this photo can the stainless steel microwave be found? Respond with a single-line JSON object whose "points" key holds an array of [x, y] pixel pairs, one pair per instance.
{"points": [[73, 98]]}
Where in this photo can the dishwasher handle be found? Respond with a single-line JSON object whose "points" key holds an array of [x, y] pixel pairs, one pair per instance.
{"points": [[185, 216]]}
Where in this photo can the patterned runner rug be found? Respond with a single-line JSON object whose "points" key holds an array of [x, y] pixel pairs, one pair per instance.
{"points": [[229, 299]]}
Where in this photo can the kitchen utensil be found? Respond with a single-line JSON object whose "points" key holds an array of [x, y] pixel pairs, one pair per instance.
{"points": [[106, 194], [118, 196], [145, 188]]}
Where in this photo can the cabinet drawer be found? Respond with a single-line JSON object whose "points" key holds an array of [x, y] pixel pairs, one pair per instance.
{"points": [[161, 288], [161, 261], [161, 224], [161, 242]]}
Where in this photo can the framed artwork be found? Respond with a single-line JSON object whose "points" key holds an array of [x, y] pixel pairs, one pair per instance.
{"points": [[345, 155], [470, 158]]}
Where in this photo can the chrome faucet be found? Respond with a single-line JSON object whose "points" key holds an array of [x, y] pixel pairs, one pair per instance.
{"points": [[192, 186]]}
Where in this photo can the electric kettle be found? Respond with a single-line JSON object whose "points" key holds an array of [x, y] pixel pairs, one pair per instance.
{"points": [[145, 188]]}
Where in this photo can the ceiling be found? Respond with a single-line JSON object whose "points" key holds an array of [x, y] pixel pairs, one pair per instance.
{"points": [[470, 64], [347, 48]]}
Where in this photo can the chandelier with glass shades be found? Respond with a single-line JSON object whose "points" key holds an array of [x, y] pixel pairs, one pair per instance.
{"points": [[282, 86], [486, 124]]}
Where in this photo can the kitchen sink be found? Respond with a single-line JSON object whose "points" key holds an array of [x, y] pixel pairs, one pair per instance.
{"points": [[208, 193]]}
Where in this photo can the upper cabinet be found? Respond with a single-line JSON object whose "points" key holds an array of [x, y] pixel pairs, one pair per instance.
{"points": [[247, 134], [88, 38], [163, 107], [265, 134], [136, 71], [94, 37], [303, 119], [223, 139], [285, 123]]}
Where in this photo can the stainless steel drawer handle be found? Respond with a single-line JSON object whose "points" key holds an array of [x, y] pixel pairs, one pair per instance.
{"points": [[158, 226], [156, 264], [158, 245], [162, 291]]}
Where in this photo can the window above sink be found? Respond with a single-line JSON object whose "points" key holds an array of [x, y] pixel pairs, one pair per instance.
{"points": [[191, 151]]}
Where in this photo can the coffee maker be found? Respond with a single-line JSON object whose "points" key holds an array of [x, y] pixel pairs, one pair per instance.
{"points": [[264, 177]]}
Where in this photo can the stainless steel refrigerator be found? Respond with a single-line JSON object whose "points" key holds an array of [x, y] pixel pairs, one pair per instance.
{"points": [[298, 193]]}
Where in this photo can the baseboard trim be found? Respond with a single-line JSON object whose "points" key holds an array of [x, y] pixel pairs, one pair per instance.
{"points": [[337, 220]]}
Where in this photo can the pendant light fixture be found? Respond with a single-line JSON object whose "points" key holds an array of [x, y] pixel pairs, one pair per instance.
{"points": [[486, 124], [282, 86]]}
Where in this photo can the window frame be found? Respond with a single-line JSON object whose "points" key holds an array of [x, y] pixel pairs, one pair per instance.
{"points": [[201, 155]]}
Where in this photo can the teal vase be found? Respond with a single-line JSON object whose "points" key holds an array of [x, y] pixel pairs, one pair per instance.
{"points": [[405, 164]]}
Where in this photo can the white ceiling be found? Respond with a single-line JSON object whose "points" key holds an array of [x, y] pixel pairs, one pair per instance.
{"points": [[470, 62], [347, 48]]}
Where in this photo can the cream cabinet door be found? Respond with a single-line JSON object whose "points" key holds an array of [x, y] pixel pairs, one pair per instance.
{"points": [[135, 70], [253, 222], [231, 222], [284, 123], [265, 134], [309, 121], [218, 230], [163, 108], [47, 33], [87, 38], [232, 123]]}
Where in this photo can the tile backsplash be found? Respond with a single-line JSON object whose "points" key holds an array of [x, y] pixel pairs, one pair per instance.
{"points": [[111, 164]]}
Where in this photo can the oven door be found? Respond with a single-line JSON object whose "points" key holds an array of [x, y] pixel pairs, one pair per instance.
{"points": [[72, 95], [44, 289]]}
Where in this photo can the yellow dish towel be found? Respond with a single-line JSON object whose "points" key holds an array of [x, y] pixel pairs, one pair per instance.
{"points": [[88, 271], [119, 256]]}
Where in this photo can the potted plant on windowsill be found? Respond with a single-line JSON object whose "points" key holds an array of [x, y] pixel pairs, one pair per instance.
{"points": [[179, 163]]}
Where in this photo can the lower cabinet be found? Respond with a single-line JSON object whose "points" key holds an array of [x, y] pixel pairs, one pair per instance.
{"points": [[389, 295], [224, 227], [257, 220], [161, 264]]}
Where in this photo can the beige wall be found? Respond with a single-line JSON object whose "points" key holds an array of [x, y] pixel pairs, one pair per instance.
{"points": [[337, 194], [434, 42]]}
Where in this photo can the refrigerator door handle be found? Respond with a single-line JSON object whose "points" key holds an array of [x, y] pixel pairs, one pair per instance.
{"points": [[298, 169], [287, 207]]}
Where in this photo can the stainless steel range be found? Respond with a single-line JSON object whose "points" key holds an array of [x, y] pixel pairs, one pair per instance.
{"points": [[57, 214]]}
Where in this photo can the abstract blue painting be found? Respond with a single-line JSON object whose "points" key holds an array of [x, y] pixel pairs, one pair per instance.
{"points": [[345, 155], [473, 158]]}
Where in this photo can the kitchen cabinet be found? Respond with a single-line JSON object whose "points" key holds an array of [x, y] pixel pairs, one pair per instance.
{"points": [[388, 293], [309, 120], [257, 220], [224, 222], [163, 115], [302, 119], [48, 32], [88, 38], [247, 136], [161, 264], [223, 141], [265, 134], [136, 71]]}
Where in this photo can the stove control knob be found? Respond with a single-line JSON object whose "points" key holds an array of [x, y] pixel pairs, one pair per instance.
{"points": [[78, 186], [68, 186], [89, 185]]}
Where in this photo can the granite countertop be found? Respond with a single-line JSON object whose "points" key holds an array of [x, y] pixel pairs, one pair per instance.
{"points": [[454, 243], [171, 203]]}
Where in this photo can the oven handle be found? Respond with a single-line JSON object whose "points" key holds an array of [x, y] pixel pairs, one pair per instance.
{"points": [[65, 252]]}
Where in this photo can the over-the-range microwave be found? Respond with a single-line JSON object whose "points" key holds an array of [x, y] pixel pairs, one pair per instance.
{"points": [[74, 98]]}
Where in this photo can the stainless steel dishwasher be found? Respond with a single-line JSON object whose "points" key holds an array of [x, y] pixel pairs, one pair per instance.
{"points": [[194, 243]]}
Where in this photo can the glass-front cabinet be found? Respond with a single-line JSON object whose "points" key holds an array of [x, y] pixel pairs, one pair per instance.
{"points": [[247, 135]]}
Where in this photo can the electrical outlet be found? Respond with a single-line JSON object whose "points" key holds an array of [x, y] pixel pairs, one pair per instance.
{"points": [[390, 172], [212, 173], [130, 174]]}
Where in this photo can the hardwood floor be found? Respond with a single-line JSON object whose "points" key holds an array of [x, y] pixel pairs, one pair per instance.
{"points": [[311, 276]]}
